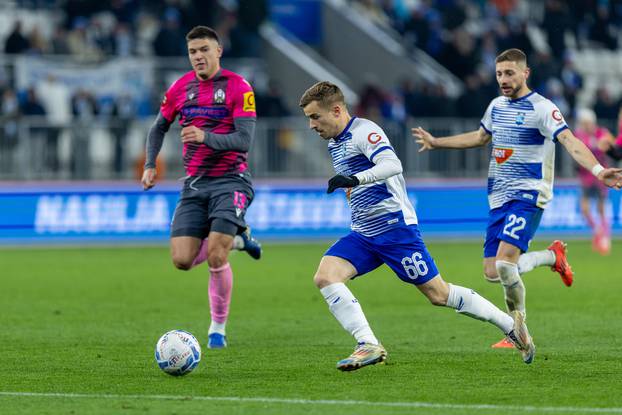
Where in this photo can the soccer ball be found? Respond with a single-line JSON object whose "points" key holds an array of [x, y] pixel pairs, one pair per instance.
{"points": [[178, 352]]}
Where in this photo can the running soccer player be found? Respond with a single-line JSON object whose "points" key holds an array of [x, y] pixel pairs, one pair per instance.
{"points": [[384, 231], [523, 127], [216, 110]]}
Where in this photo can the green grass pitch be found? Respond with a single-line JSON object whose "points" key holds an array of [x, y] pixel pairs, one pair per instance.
{"points": [[79, 328]]}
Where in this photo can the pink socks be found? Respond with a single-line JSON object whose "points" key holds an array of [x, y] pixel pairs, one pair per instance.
{"points": [[220, 284]]}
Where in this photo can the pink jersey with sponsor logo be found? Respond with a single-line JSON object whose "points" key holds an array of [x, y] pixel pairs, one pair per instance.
{"points": [[211, 105], [591, 141]]}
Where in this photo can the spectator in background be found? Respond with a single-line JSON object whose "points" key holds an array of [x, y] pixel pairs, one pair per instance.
{"points": [[605, 106], [80, 45], [557, 20], [473, 99], [245, 36], [599, 140], [603, 30], [56, 99], [170, 39], [16, 42], [572, 80], [58, 43], [9, 114], [84, 109], [123, 40], [33, 108], [37, 42], [270, 104], [121, 116]]}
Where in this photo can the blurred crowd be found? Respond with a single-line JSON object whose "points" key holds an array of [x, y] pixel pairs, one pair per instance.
{"points": [[465, 37], [96, 29]]}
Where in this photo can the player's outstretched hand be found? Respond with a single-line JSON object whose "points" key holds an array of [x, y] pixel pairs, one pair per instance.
{"points": [[611, 177], [423, 138], [148, 180], [192, 134], [341, 181]]}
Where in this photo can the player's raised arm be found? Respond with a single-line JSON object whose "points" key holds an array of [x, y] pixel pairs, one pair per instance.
{"points": [[467, 140], [611, 177], [155, 138]]}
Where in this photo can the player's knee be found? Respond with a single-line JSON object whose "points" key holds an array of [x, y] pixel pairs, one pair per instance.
{"points": [[182, 263], [217, 258], [321, 280], [507, 271], [491, 274]]}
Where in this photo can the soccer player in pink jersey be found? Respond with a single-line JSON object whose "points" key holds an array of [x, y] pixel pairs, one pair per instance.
{"points": [[599, 140], [216, 109]]}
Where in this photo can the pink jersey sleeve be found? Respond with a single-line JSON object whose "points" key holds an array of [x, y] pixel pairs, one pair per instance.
{"points": [[167, 107], [244, 100]]}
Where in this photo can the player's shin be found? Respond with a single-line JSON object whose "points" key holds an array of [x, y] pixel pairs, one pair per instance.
{"points": [[348, 312], [468, 302], [220, 285], [513, 286]]}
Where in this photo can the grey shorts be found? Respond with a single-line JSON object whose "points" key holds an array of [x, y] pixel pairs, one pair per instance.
{"points": [[212, 204]]}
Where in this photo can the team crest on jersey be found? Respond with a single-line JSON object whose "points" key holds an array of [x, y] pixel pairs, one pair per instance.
{"points": [[219, 96], [502, 154], [520, 118]]}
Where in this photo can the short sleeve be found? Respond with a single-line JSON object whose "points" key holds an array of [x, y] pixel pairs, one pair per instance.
{"points": [[244, 100], [486, 122], [167, 107], [372, 142], [551, 120]]}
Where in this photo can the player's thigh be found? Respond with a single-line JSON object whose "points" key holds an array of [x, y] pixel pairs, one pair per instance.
{"points": [[229, 198], [519, 227], [496, 220], [191, 215], [404, 251], [184, 249], [353, 249], [332, 270]]}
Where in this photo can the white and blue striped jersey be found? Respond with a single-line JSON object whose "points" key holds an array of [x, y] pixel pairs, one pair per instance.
{"points": [[522, 162], [376, 207]]}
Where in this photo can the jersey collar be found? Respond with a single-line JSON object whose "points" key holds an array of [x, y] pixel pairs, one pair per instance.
{"points": [[523, 97], [344, 133]]}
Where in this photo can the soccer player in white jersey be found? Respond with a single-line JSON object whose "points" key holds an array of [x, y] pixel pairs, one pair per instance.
{"points": [[384, 230], [523, 127]]}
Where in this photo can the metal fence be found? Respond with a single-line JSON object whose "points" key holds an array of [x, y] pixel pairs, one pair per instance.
{"points": [[31, 149]]}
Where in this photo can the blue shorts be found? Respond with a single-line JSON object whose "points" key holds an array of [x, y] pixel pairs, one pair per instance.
{"points": [[515, 222], [402, 249]]}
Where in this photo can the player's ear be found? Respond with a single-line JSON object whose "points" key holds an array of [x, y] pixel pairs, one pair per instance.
{"points": [[527, 72], [336, 110]]}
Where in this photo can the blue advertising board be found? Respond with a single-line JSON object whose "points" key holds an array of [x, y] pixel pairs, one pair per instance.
{"points": [[123, 213]]}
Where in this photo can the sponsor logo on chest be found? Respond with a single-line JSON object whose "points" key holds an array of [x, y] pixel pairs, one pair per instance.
{"points": [[502, 155]]}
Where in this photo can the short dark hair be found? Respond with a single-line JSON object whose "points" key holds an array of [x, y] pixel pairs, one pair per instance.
{"points": [[202, 32], [512, 55], [325, 93]]}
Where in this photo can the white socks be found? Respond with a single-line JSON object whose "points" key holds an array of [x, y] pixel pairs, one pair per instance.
{"points": [[217, 328], [348, 312], [513, 286], [468, 302], [531, 260], [238, 243]]}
